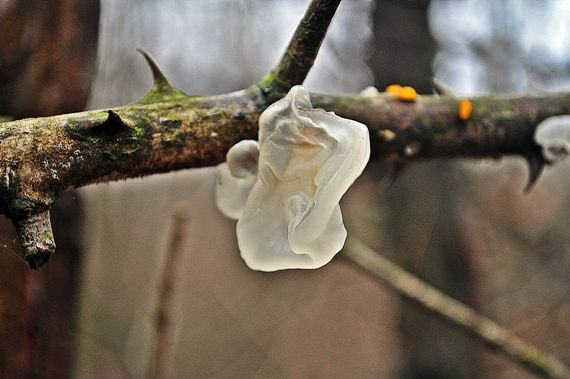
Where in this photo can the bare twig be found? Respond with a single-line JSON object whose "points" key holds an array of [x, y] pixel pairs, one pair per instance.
{"points": [[302, 50], [455, 311], [304, 46], [164, 327]]}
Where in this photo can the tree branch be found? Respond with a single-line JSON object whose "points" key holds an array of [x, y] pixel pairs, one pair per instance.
{"points": [[431, 128], [304, 46], [301, 52], [456, 312], [166, 130], [165, 319]]}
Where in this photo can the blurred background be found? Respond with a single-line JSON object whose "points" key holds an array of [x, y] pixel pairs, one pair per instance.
{"points": [[467, 227]]}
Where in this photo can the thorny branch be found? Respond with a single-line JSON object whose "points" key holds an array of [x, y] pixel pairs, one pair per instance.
{"points": [[455, 311], [304, 46], [166, 130]]}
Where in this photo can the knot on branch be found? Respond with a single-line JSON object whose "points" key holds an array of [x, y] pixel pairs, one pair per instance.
{"points": [[111, 126], [36, 238]]}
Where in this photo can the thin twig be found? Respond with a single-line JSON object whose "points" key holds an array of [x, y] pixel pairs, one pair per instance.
{"points": [[164, 322], [300, 55], [455, 311]]}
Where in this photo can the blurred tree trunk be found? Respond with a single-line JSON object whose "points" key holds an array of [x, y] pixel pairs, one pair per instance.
{"points": [[403, 45], [419, 206], [47, 55]]}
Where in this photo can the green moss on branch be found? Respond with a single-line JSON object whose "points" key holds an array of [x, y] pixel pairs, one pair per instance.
{"points": [[301, 52]]}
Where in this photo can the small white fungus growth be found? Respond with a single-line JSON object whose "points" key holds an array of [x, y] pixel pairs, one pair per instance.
{"points": [[307, 160], [553, 135], [236, 177], [369, 91]]}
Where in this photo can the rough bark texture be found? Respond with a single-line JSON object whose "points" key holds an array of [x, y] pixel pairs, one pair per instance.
{"points": [[167, 130], [302, 51], [431, 128], [44, 157]]}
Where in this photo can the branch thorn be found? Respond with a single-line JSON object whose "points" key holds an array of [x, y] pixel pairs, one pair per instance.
{"points": [[536, 165], [160, 86], [443, 89]]}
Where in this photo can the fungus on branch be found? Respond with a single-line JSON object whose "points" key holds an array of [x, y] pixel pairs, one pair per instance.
{"points": [[307, 160], [236, 177], [553, 135]]}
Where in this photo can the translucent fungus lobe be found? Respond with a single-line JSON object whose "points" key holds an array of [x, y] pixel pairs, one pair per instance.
{"points": [[307, 160], [236, 177], [553, 135]]}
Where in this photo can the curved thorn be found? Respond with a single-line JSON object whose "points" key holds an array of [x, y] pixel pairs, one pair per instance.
{"points": [[536, 165], [117, 122], [159, 80], [443, 89]]}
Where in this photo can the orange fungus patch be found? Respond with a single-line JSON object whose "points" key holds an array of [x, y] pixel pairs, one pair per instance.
{"points": [[393, 89], [465, 109], [407, 94], [402, 93]]}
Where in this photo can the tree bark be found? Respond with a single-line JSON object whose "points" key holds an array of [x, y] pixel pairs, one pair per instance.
{"points": [[44, 157]]}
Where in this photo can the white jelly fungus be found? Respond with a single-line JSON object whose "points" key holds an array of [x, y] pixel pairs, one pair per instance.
{"points": [[307, 160], [370, 91], [553, 135], [236, 177]]}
